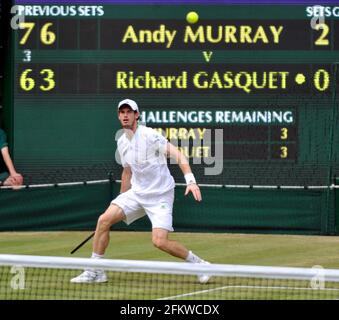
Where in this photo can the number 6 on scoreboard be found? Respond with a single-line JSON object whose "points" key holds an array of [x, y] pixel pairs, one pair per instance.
{"points": [[47, 37], [27, 83]]}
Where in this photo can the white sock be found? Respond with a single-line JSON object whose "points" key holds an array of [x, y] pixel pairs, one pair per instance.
{"points": [[97, 256], [191, 257]]}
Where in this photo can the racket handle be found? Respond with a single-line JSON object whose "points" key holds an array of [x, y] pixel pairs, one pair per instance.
{"points": [[82, 243]]}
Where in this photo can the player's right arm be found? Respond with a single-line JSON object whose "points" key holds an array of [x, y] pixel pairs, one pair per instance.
{"points": [[126, 179], [183, 163]]}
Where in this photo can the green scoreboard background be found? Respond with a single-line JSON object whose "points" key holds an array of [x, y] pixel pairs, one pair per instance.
{"points": [[249, 93]]}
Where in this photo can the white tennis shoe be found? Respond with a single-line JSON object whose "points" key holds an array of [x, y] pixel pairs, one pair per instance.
{"points": [[203, 278], [89, 276]]}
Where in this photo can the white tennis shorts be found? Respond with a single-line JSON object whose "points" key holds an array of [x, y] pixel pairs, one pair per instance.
{"points": [[158, 208]]}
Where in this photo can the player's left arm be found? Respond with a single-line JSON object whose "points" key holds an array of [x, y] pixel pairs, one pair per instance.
{"points": [[183, 163]]}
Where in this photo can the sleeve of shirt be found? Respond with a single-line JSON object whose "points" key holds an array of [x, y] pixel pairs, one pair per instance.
{"points": [[3, 139]]}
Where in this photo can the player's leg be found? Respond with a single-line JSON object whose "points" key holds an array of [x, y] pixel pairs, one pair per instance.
{"points": [[112, 215], [160, 214], [124, 207], [160, 240], [159, 211]]}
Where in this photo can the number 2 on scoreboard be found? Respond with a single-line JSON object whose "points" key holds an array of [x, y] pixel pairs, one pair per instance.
{"points": [[322, 41]]}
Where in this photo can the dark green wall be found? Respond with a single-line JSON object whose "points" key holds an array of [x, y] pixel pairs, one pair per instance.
{"points": [[222, 210]]}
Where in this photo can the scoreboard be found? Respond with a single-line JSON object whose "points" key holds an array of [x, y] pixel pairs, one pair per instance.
{"points": [[248, 92]]}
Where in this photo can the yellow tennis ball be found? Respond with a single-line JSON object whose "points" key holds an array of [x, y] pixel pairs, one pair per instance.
{"points": [[192, 17]]}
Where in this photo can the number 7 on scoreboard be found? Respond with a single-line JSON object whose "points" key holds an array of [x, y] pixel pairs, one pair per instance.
{"points": [[47, 37], [29, 26]]}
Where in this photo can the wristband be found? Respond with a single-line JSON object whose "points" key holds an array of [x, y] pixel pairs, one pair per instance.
{"points": [[189, 177]]}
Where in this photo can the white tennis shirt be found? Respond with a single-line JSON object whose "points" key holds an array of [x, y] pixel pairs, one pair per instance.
{"points": [[144, 153]]}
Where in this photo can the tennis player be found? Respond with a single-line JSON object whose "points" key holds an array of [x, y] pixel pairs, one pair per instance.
{"points": [[147, 187], [8, 174]]}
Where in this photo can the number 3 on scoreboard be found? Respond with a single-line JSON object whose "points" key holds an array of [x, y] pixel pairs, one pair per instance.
{"points": [[284, 152], [49, 79], [284, 133], [27, 83]]}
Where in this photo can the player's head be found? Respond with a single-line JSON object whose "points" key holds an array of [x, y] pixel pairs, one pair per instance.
{"points": [[128, 113]]}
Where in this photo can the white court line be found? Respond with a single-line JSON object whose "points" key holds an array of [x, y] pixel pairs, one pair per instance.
{"points": [[246, 287]]}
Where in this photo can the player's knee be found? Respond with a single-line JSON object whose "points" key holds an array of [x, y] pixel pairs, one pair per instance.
{"points": [[160, 243], [104, 223], [111, 216]]}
